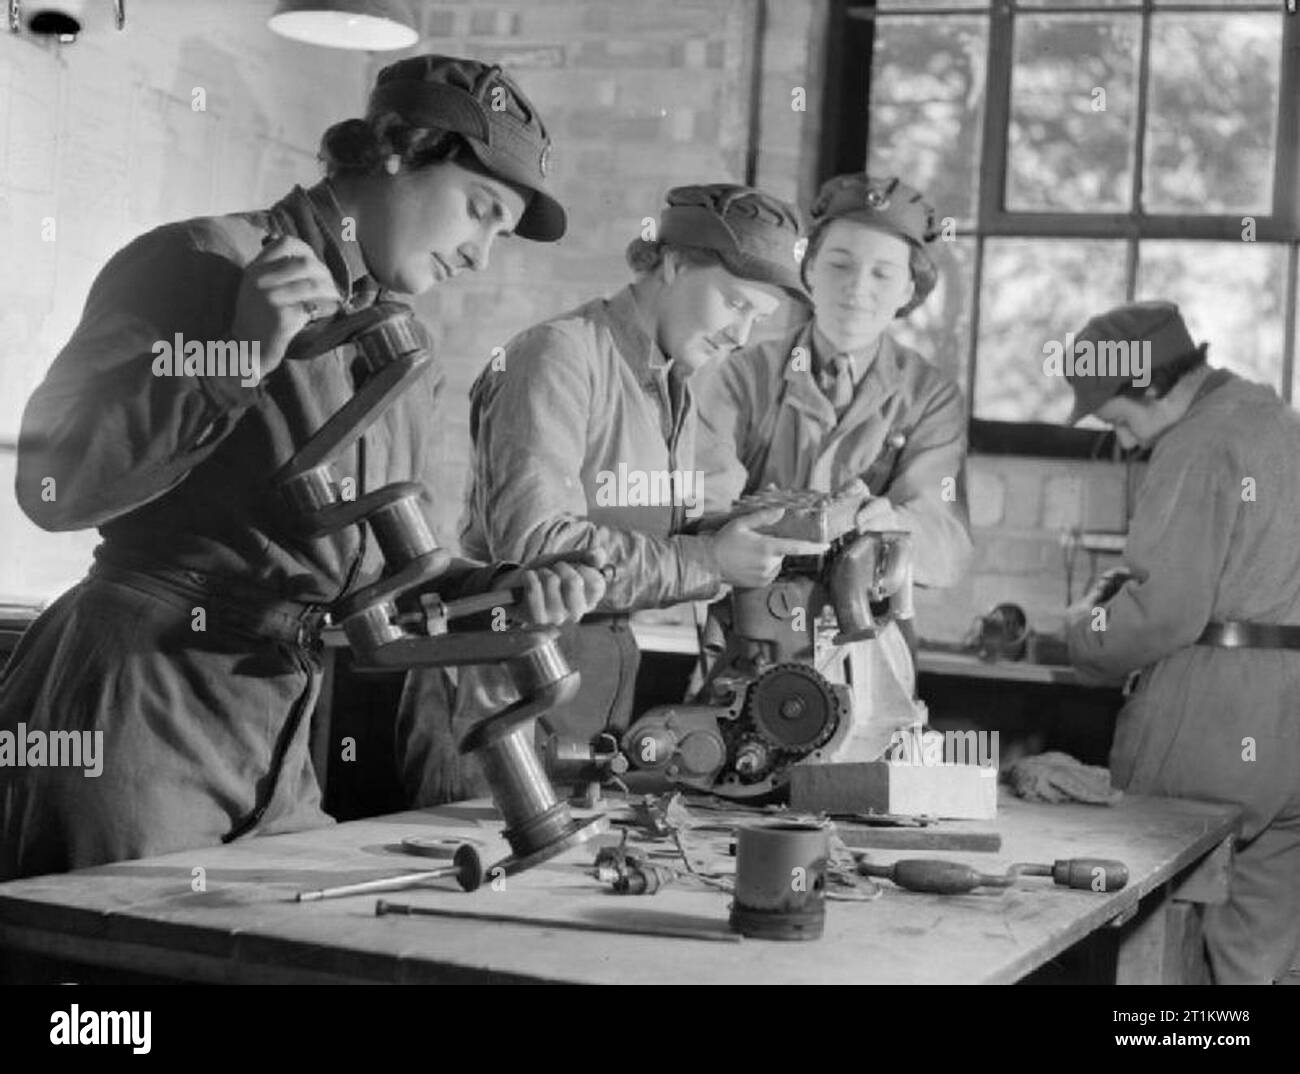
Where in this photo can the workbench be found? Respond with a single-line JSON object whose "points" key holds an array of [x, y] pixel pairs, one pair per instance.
{"points": [[226, 914]]}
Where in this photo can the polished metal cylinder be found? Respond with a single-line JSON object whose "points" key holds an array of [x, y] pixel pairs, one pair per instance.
{"points": [[371, 628], [539, 668], [390, 338], [402, 532], [311, 490], [533, 815]]}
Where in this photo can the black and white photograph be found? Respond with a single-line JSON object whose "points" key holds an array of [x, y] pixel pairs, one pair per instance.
{"points": [[653, 492]]}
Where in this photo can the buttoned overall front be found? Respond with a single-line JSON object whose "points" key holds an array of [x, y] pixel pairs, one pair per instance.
{"points": [[577, 426], [189, 644], [1213, 539], [765, 422]]}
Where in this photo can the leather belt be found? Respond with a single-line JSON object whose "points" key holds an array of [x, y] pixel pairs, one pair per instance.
{"points": [[231, 609], [1235, 634]]}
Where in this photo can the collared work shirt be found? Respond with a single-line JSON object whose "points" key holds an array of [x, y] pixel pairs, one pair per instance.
{"points": [[575, 411], [580, 413], [176, 468], [764, 421]]}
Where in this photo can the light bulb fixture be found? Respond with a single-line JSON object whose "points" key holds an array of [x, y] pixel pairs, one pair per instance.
{"points": [[58, 21], [372, 25]]}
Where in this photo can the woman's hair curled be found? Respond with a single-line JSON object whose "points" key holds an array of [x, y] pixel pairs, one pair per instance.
{"points": [[644, 256], [361, 146]]}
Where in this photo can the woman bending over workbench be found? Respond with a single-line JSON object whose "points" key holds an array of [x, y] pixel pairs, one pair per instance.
{"points": [[192, 646]]}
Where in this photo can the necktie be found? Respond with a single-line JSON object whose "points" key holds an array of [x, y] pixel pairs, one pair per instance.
{"points": [[837, 383]]}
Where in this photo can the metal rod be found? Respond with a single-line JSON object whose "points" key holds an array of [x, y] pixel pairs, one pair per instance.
{"points": [[382, 908], [388, 883]]}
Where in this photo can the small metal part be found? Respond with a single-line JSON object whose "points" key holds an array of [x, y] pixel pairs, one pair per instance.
{"points": [[372, 628], [445, 847], [311, 490]]}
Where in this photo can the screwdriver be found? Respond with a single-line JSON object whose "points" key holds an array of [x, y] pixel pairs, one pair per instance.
{"points": [[466, 869], [953, 878]]}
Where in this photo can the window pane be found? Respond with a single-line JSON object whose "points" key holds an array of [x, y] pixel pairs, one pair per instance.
{"points": [[1034, 291], [921, 5], [1212, 113], [1232, 294], [1066, 4], [940, 327], [1073, 102], [927, 107], [1215, 3]]}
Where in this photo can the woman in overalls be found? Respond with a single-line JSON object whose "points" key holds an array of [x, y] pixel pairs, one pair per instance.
{"points": [[191, 649]]}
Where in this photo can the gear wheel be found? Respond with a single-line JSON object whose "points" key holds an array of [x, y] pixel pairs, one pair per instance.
{"points": [[793, 708]]}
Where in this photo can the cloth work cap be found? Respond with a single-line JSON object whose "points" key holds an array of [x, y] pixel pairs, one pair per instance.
{"points": [[1158, 323], [888, 205], [485, 106], [754, 234]]}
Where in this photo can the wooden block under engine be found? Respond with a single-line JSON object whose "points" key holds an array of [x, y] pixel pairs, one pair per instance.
{"points": [[954, 791]]}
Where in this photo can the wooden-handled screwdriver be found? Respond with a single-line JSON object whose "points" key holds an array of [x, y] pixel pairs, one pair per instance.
{"points": [[953, 878], [466, 869]]}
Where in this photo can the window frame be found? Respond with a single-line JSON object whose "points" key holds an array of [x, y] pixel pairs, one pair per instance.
{"points": [[846, 135]]}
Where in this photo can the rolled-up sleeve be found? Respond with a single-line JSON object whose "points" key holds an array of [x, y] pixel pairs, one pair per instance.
{"points": [[102, 434], [928, 490], [530, 421], [1177, 546]]}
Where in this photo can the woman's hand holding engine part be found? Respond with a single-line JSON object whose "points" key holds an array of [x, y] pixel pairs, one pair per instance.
{"points": [[749, 559], [283, 288]]}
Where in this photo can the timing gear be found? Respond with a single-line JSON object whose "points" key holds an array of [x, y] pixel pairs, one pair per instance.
{"points": [[793, 708]]}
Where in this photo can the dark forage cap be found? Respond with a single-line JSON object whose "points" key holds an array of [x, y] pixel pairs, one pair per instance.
{"points": [[753, 233], [884, 204], [485, 106], [1157, 323]]}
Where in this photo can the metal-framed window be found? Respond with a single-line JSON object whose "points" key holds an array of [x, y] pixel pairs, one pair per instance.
{"points": [[1085, 153]]}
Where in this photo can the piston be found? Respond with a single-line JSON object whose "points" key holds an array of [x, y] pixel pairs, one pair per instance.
{"points": [[781, 881]]}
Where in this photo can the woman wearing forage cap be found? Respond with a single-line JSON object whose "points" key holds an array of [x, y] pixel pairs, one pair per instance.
{"points": [[576, 401], [204, 731], [838, 402]]}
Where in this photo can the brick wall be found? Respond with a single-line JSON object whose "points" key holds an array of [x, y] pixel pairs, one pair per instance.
{"points": [[1021, 511], [638, 96]]}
